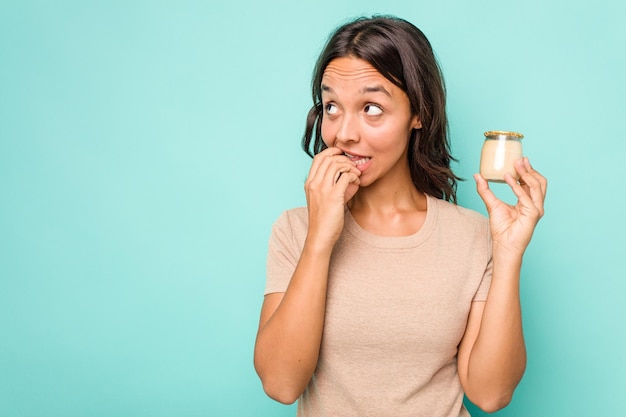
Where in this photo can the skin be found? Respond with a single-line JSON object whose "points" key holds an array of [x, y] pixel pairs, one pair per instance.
{"points": [[369, 118]]}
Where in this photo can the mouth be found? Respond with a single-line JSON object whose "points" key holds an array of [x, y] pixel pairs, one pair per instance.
{"points": [[357, 159]]}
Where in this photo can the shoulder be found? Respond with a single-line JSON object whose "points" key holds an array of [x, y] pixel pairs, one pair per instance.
{"points": [[292, 223], [464, 229], [460, 217], [295, 217]]}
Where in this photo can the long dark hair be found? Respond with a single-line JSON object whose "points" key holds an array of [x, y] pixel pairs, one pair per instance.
{"points": [[402, 54]]}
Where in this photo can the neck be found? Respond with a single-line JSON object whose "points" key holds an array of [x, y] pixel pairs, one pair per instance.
{"points": [[393, 207], [400, 197], [389, 211], [390, 194]]}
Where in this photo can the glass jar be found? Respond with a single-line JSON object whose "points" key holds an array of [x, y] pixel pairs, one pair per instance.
{"points": [[500, 151]]}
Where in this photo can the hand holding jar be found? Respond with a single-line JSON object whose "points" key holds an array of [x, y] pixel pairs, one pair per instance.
{"points": [[502, 160]]}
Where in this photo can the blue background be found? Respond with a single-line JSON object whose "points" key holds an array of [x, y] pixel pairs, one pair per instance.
{"points": [[146, 147]]}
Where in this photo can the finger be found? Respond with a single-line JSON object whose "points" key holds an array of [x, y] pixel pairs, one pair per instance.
{"points": [[347, 178], [348, 185], [343, 169], [525, 167], [543, 182], [323, 157], [327, 164], [329, 172], [338, 164], [533, 183], [524, 197], [485, 193]]}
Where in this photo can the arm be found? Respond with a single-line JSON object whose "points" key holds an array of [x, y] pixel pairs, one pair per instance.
{"points": [[492, 354], [291, 324], [290, 330]]}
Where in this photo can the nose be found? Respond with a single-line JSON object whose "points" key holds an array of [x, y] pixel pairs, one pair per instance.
{"points": [[348, 129]]}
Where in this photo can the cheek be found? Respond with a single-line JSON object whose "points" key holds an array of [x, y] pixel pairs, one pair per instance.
{"points": [[393, 141], [327, 133]]}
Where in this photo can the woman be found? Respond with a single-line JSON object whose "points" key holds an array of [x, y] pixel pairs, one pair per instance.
{"points": [[385, 298]]}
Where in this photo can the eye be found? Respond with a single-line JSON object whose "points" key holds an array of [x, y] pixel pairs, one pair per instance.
{"points": [[330, 108], [373, 110]]}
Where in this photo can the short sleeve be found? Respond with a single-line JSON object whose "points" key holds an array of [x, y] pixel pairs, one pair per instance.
{"points": [[485, 282], [284, 249]]}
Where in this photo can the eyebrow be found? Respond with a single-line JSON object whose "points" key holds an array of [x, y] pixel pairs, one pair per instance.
{"points": [[366, 89], [375, 89]]}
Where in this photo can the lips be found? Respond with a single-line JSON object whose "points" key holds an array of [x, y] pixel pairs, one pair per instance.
{"points": [[357, 159]]}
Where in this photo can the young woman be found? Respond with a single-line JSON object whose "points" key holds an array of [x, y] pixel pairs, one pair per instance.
{"points": [[384, 297]]}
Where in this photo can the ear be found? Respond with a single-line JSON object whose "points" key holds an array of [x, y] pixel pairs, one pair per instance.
{"points": [[416, 123]]}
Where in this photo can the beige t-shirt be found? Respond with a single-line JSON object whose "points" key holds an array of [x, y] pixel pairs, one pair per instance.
{"points": [[396, 311]]}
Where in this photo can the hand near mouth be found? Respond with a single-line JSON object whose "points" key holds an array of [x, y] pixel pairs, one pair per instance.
{"points": [[333, 180]]}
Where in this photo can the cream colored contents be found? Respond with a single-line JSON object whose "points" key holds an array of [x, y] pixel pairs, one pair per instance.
{"points": [[498, 158]]}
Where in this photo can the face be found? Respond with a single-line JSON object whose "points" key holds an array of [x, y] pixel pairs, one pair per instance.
{"points": [[367, 117]]}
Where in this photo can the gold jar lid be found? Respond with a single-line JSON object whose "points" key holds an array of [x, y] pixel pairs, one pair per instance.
{"points": [[495, 133]]}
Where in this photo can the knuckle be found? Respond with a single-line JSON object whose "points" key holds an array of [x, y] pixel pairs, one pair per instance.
{"points": [[311, 185]]}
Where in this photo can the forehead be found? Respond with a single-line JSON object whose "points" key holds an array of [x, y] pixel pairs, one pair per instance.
{"points": [[349, 70]]}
